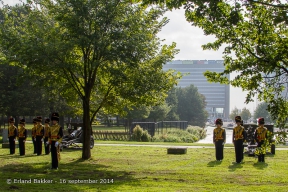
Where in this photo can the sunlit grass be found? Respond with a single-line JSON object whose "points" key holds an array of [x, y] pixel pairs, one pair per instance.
{"points": [[142, 168]]}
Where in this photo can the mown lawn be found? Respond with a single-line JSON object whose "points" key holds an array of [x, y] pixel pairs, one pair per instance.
{"points": [[122, 168]]}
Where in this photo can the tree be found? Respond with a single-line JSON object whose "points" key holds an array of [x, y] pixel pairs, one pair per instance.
{"points": [[159, 112], [245, 114], [191, 106], [108, 52], [254, 34], [261, 111], [172, 102], [235, 112]]}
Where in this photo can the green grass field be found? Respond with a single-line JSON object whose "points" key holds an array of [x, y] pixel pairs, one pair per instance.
{"points": [[142, 168]]}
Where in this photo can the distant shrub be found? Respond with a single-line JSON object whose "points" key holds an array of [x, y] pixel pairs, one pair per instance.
{"points": [[145, 136], [140, 135], [191, 135]]}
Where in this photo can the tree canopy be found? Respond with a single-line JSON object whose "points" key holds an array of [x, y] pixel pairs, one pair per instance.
{"points": [[254, 36], [106, 52]]}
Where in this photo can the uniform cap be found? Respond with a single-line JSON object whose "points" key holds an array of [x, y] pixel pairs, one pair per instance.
{"points": [[219, 121], [238, 119], [55, 116], [22, 121], [47, 120], [39, 119], [261, 120], [35, 120], [11, 120]]}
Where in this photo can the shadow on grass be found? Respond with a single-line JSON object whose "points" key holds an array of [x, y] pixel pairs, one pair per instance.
{"points": [[260, 165], [235, 166], [214, 163], [74, 175]]}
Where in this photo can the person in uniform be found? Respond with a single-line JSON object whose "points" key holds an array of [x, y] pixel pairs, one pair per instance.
{"points": [[22, 136], [46, 136], [260, 137], [219, 139], [55, 138], [12, 134], [39, 135], [33, 133], [238, 137]]}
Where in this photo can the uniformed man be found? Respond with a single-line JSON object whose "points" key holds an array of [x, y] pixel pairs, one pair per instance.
{"points": [[22, 136], [55, 138], [238, 138], [260, 137], [219, 139], [39, 135], [33, 133], [12, 134], [46, 136]]}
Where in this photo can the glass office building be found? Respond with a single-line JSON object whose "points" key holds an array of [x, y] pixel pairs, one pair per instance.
{"points": [[217, 95]]}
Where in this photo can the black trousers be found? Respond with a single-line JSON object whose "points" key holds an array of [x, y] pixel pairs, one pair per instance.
{"points": [[39, 144], [47, 147], [261, 157], [219, 150], [238, 145], [54, 157], [34, 145], [21, 146], [12, 145]]}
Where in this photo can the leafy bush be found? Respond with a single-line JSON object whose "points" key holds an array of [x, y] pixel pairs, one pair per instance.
{"points": [[145, 136], [192, 134], [140, 135]]}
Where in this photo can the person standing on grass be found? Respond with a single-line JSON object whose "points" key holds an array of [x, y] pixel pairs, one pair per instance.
{"points": [[55, 138], [260, 138], [46, 136], [12, 134], [238, 137], [39, 135], [33, 133], [22, 136], [219, 139]]}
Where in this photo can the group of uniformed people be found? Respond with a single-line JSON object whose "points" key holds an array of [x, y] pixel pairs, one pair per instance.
{"points": [[50, 136], [239, 136]]}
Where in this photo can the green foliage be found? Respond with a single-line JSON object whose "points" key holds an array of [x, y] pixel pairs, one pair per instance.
{"points": [[191, 135], [245, 114], [159, 112], [145, 136], [191, 106], [234, 113], [140, 135], [254, 36], [261, 111], [107, 53]]}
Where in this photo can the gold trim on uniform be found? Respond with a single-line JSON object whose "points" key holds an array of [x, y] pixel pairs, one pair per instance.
{"points": [[54, 130], [38, 130], [11, 131], [47, 131], [218, 133], [21, 131], [261, 133], [238, 132]]}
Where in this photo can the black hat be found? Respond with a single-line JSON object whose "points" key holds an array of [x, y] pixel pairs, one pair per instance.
{"points": [[39, 119], [47, 121], [22, 121], [238, 119], [55, 116], [261, 120], [11, 120], [35, 120], [219, 121]]}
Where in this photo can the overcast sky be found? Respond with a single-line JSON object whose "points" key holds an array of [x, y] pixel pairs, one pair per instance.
{"points": [[189, 40]]}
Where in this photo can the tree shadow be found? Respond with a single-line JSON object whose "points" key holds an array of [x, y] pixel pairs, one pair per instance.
{"points": [[70, 176], [235, 166], [214, 163]]}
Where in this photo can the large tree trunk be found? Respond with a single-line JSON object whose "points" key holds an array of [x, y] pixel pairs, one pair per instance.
{"points": [[86, 152]]}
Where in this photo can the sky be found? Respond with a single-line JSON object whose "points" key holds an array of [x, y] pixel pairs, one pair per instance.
{"points": [[189, 40]]}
